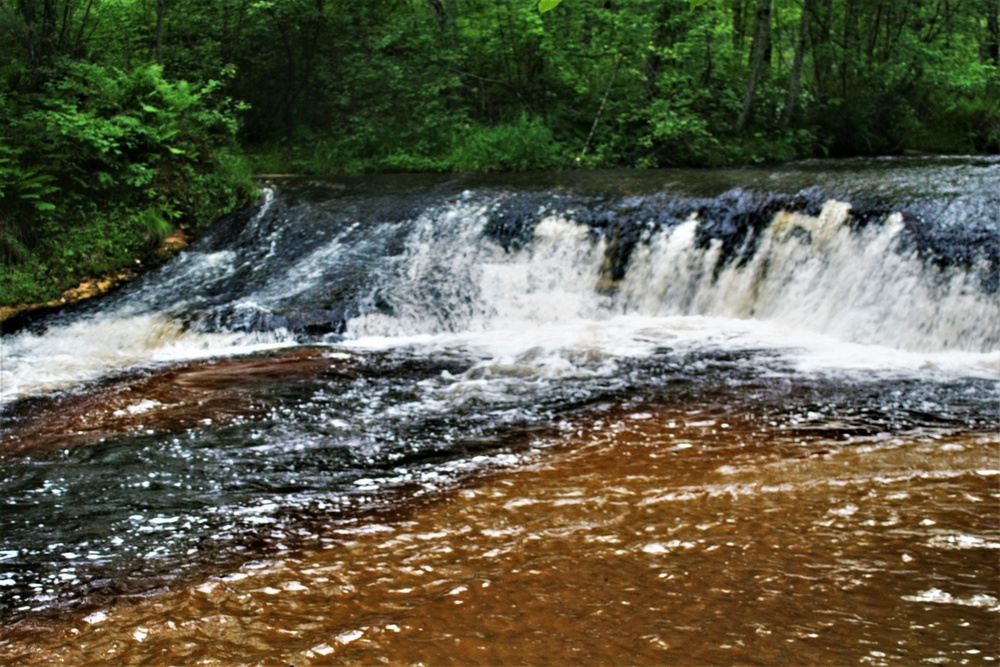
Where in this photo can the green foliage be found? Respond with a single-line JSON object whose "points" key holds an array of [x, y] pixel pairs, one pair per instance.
{"points": [[524, 144], [24, 187], [396, 86], [99, 165], [115, 123], [521, 145]]}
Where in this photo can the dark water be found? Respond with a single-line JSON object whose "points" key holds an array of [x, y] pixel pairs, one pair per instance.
{"points": [[755, 411]]}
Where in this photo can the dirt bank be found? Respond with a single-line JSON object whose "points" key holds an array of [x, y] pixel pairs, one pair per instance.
{"points": [[172, 244]]}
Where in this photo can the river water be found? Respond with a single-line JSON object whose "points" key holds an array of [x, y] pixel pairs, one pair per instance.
{"points": [[730, 417]]}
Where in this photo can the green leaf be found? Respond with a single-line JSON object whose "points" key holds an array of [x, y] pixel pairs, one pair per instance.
{"points": [[695, 4], [44, 206], [547, 5]]}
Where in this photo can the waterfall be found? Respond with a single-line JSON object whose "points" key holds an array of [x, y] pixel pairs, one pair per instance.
{"points": [[325, 263], [353, 346], [819, 272]]}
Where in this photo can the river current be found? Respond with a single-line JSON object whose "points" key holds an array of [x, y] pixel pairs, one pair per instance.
{"points": [[672, 417]]}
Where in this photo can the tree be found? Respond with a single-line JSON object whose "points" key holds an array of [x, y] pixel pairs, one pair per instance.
{"points": [[795, 76], [761, 48]]}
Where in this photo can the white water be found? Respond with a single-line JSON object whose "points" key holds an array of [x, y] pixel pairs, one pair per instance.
{"points": [[815, 274], [87, 350], [826, 297], [809, 273]]}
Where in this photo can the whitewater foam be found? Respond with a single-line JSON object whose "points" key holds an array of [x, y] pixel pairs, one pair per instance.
{"points": [[86, 350]]}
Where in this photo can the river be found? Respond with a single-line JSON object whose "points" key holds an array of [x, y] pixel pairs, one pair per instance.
{"points": [[666, 417]]}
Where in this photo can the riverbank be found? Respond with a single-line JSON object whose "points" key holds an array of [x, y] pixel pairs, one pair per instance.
{"points": [[174, 243]]}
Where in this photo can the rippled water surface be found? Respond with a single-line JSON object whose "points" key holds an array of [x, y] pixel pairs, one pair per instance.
{"points": [[660, 535], [662, 418]]}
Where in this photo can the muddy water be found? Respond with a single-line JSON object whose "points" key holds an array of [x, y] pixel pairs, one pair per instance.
{"points": [[649, 535]]}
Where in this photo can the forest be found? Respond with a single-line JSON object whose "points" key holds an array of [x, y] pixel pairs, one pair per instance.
{"points": [[121, 120]]}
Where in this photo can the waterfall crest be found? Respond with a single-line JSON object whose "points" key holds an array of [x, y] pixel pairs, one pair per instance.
{"points": [[327, 262]]}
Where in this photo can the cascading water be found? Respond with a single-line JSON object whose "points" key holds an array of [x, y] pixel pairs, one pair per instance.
{"points": [[351, 346], [310, 265]]}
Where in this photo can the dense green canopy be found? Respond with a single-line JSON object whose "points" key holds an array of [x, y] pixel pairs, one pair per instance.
{"points": [[118, 118]]}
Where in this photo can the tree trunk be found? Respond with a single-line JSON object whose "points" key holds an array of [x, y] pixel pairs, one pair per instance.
{"points": [[795, 78], [991, 49], [159, 31], [445, 11], [739, 24], [819, 43], [760, 48]]}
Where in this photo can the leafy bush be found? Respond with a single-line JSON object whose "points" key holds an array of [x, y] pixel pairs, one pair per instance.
{"points": [[100, 164], [521, 145]]}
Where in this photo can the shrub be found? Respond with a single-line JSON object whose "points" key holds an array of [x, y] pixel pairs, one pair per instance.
{"points": [[521, 145], [100, 164]]}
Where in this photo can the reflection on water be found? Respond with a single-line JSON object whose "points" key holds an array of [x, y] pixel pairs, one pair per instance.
{"points": [[667, 536]]}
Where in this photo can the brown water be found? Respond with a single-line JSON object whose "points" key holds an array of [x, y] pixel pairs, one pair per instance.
{"points": [[655, 536], [220, 390]]}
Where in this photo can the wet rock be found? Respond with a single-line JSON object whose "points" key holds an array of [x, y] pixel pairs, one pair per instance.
{"points": [[170, 400]]}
